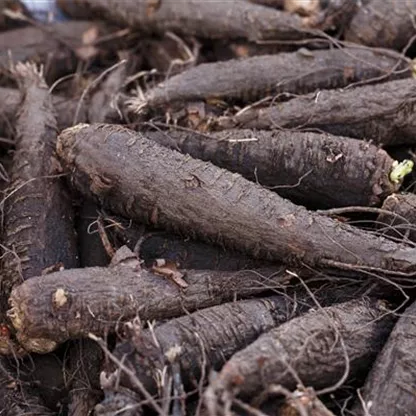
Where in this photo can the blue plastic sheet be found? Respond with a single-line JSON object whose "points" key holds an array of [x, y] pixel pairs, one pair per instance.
{"points": [[44, 10]]}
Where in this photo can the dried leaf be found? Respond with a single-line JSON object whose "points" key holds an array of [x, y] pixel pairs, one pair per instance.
{"points": [[169, 270]]}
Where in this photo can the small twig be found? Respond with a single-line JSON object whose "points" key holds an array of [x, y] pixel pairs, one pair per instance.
{"points": [[203, 371], [134, 380], [355, 209], [366, 406], [7, 141], [111, 36], [104, 238], [364, 269], [191, 57], [3, 173], [60, 80], [22, 185], [178, 407], [137, 76], [344, 377], [92, 85], [253, 105], [157, 124], [284, 186]]}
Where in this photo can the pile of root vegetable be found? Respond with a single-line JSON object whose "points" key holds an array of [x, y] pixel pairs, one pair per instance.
{"points": [[208, 208]]}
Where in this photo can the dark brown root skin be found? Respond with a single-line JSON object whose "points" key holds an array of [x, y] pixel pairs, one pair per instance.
{"points": [[336, 15], [45, 373], [48, 310], [165, 50], [331, 15], [102, 102], [390, 383], [303, 343], [323, 171], [139, 179], [402, 225], [17, 398], [90, 246], [64, 107], [381, 113], [254, 78], [53, 45], [228, 20], [194, 254], [152, 245], [278, 4], [385, 23], [86, 356], [185, 252], [220, 330], [85, 360], [38, 231]]}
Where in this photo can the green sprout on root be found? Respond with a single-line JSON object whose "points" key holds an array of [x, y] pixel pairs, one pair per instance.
{"points": [[400, 169]]}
